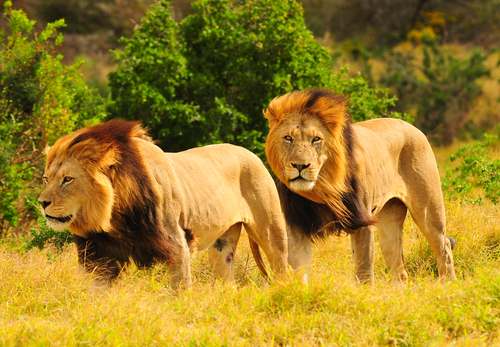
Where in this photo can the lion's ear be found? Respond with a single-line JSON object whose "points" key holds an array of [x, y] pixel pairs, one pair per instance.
{"points": [[271, 117], [109, 158], [100, 156]]}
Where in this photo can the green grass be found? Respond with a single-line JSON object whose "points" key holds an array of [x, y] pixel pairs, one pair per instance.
{"points": [[43, 302]]}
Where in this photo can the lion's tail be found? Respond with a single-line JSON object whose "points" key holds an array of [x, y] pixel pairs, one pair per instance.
{"points": [[258, 258]]}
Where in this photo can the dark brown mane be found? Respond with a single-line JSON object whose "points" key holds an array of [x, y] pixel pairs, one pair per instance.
{"points": [[137, 229]]}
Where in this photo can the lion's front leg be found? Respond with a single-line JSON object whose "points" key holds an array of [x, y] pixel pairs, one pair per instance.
{"points": [[92, 260], [299, 253], [180, 268], [363, 253]]}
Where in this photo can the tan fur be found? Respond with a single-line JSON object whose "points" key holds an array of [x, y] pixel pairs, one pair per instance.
{"points": [[201, 197], [380, 168]]}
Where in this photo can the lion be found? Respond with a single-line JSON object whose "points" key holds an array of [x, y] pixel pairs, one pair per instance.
{"points": [[337, 177], [124, 199]]}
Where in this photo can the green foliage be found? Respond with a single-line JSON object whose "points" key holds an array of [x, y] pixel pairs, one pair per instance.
{"points": [[208, 78], [249, 54], [40, 100], [151, 74], [443, 96], [11, 181], [39, 238], [477, 173]]}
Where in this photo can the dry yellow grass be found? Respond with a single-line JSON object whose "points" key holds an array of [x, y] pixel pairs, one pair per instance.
{"points": [[44, 302]]}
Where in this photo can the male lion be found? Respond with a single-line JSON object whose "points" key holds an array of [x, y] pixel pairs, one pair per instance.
{"points": [[123, 198], [337, 176]]}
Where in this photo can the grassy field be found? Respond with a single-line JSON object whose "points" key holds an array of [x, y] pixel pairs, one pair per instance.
{"points": [[45, 303]]}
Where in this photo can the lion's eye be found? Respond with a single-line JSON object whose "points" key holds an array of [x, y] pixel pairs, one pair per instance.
{"points": [[316, 139], [67, 179], [288, 138], [45, 180]]}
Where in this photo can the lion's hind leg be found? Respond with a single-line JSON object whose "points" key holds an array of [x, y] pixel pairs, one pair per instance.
{"points": [[221, 254], [271, 237], [431, 220], [390, 230]]}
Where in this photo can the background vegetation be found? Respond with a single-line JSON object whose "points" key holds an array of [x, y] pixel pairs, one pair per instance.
{"points": [[40, 100], [203, 74]]}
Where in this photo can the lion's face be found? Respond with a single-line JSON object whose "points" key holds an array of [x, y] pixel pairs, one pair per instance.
{"points": [[301, 149], [64, 193], [70, 196]]}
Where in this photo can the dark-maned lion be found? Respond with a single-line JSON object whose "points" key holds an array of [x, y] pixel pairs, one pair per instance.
{"points": [[123, 198], [342, 177]]}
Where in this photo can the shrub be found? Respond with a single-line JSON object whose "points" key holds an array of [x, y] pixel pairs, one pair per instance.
{"points": [[40, 100], [208, 78], [476, 176], [45, 235]]}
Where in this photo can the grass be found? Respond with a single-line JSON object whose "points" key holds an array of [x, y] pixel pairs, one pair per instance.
{"points": [[43, 302]]}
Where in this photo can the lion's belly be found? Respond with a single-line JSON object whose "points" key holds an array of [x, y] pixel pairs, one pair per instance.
{"points": [[208, 220]]}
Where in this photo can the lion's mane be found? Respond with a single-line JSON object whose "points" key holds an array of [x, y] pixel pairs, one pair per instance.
{"points": [[123, 214], [338, 208]]}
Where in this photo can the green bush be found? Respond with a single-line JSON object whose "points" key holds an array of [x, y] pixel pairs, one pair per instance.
{"points": [[208, 78], [45, 235], [476, 176], [40, 100]]}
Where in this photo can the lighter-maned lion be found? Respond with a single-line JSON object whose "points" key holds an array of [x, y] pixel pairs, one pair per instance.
{"points": [[124, 198], [341, 177]]}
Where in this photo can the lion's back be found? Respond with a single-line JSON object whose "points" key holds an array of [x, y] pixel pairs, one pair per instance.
{"points": [[395, 133], [219, 159], [394, 140], [400, 156], [223, 181]]}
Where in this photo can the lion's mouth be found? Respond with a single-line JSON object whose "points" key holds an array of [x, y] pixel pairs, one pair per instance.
{"points": [[300, 183], [60, 219], [299, 177]]}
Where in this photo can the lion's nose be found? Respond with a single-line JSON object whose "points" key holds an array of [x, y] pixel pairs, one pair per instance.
{"points": [[45, 203], [300, 167]]}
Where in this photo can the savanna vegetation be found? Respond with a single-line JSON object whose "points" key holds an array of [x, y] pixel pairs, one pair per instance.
{"points": [[202, 72]]}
